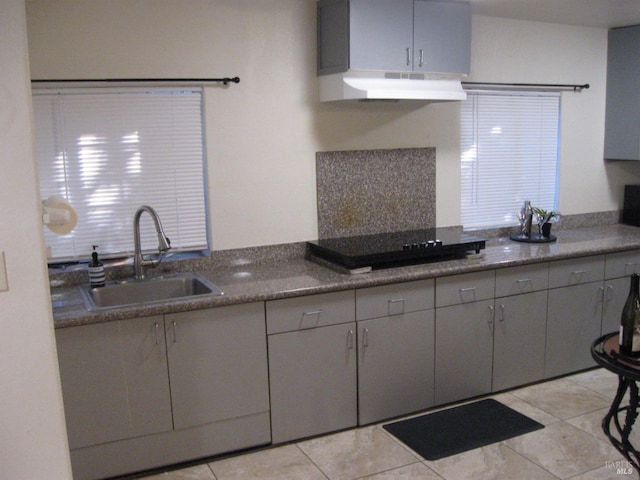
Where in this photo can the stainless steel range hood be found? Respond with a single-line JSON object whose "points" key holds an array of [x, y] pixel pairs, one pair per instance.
{"points": [[371, 85]]}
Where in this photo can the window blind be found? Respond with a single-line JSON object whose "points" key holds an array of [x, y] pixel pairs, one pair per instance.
{"points": [[509, 154], [111, 151]]}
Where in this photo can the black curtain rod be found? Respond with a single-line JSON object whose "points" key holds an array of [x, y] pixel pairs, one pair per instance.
{"points": [[550, 86], [225, 80]]}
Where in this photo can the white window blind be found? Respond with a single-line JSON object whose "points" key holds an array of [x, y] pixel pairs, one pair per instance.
{"points": [[509, 154], [111, 151]]}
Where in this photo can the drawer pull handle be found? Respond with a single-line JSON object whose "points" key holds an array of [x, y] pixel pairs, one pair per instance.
{"points": [[314, 312], [577, 274], [468, 294], [395, 306], [524, 284]]}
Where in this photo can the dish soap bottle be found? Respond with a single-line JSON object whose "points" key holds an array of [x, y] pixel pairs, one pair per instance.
{"points": [[630, 321], [96, 270]]}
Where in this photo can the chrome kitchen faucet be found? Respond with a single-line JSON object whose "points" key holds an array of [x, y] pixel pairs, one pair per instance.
{"points": [[139, 263]]}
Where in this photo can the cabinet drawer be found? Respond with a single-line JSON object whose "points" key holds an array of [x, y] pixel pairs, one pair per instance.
{"points": [[311, 311], [465, 288], [575, 271], [394, 299], [522, 279], [622, 264]]}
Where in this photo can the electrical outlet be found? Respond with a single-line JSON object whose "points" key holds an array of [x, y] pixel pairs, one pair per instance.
{"points": [[4, 284]]}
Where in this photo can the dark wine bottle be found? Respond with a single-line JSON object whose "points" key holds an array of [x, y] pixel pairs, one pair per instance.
{"points": [[630, 343]]}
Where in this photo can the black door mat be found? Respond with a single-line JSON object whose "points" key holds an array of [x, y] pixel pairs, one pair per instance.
{"points": [[456, 430]]}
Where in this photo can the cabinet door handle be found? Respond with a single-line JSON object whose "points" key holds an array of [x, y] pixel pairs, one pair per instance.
{"points": [[421, 60], [501, 317], [174, 326], [365, 337], [157, 328], [602, 296], [408, 56], [609, 295], [491, 315], [350, 340]]}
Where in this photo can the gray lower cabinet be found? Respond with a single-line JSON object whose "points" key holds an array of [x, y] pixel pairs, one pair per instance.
{"points": [[464, 335], [519, 339], [312, 365], [395, 349], [520, 328], [573, 323], [313, 381], [217, 364], [618, 268], [464, 351], [615, 295], [395, 365], [126, 412], [114, 380], [574, 314]]}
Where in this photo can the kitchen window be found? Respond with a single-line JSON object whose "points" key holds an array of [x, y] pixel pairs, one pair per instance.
{"points": [[509, 154], [110, 150]]}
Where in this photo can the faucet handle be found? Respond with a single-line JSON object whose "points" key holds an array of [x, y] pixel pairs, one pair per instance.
{"points": [[164, 243]]}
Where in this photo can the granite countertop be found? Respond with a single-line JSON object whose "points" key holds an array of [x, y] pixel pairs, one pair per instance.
{"points": [[244, 282]]}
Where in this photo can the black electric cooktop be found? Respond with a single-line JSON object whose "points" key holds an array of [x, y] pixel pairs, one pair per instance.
{"points": [[396, 249]]}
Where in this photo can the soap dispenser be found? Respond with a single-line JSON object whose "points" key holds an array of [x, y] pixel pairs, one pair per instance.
{"points": [[96, 270]]}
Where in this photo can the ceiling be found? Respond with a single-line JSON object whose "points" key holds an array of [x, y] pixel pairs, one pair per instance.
{"points": [[590, 13]]}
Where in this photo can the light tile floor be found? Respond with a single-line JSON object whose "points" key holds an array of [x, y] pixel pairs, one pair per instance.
{"points": [[571, 446]]}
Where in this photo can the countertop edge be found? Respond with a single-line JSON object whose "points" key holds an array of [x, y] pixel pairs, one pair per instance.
{"points": [[299, 276]]}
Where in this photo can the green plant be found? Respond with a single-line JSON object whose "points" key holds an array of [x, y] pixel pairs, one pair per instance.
{"points": [[544, 216]]}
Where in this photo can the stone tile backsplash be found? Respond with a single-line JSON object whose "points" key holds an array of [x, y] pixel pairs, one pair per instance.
{"points": [[363, 192]]}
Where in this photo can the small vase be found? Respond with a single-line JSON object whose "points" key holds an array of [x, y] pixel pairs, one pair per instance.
{"points": [[546, 230]]}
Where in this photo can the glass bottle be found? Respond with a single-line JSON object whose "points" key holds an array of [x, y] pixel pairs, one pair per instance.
{"points": [[630, 320], [526, 214]]}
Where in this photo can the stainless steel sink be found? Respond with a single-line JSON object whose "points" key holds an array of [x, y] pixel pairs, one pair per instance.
{"points": [[150, 290]]}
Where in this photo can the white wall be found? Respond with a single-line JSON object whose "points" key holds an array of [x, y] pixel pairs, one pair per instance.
{"points": [[33, 441], [262, 134]]}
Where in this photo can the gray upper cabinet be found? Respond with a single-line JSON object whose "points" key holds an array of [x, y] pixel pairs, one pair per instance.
{"points": [[442, 37], [380, 37], [402, 35], [622, 130]]}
